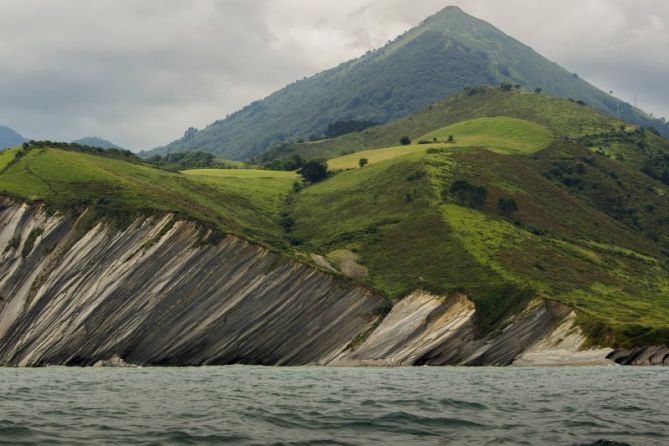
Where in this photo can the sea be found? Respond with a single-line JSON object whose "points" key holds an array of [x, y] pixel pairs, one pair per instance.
{"points": [[248, 405]]}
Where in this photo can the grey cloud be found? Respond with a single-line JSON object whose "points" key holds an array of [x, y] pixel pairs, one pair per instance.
{"points": [[139, 72]]}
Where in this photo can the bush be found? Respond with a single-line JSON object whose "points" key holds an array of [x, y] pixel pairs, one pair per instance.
{"points": [[451, 138], [507, 206], [467, 194], [405, 140], [314, 171], [362, 162]]}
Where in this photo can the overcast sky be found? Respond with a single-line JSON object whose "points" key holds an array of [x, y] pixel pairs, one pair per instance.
{"points": [[139, 72]]}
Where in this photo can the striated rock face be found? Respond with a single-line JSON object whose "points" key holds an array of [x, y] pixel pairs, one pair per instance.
{"points": [[656, 355], [155, 294], [425, 329], [152, 294], [416, 325], [563, 346]]}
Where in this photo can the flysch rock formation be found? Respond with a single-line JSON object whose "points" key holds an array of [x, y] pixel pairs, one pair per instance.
{"points": [[157, 293], [163, 299]]}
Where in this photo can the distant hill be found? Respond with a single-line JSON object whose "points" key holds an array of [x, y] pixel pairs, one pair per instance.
{"points": [[446, 53], [9, 138], [94, 141]]}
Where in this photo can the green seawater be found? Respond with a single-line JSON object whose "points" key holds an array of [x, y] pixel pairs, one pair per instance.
{"points": [[334, 406]]}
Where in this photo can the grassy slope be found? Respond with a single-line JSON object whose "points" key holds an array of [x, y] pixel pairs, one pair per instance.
{"points": [[499, 134], [410, 234], [241, 173], [6, 157], [560, 116], [65, 180]]}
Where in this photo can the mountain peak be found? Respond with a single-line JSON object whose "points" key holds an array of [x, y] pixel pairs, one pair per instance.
{"points": [[455, 22]]}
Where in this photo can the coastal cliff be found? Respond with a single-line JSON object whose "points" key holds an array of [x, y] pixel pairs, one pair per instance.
{"points": [[163, 291]]}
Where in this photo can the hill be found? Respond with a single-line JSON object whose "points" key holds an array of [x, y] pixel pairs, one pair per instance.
{"points": [[446, 53], [9, 138], [122, 187], [459, 115], [94, 141], [535, 198]]}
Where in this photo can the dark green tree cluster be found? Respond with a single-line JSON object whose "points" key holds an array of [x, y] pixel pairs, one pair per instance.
{"points": [[184, 160], [658, 168], [314, 171], [339, 128], [123, 154], [288, 163], [466, 194]]}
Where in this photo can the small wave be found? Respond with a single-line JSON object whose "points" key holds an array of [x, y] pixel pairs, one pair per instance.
{"points": [[457, 404], [605, 443], [181, 437], [10, 430]]}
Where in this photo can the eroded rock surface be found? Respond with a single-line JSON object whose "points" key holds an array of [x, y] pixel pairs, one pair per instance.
{"points": [[656, 355], [155, 295]]}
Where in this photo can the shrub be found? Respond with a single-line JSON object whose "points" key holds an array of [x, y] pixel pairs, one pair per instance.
{"points": [[405, 140], [362, 162], [416, 175], [467, 194], [451, 138], [507, 206], [314, 171]]}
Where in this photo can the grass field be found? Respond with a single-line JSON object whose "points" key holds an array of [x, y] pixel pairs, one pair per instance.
{"points": [[500, 134], [378, 155], [242, 173], [508, 136]]}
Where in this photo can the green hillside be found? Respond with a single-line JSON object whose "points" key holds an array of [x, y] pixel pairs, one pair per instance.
{"points": [[499, 134], [542, 114], [495, 227], [444, 54], [71, 180], [534, 197]]}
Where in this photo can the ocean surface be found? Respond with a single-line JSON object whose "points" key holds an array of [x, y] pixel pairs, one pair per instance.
{"points": [[330, 406]]}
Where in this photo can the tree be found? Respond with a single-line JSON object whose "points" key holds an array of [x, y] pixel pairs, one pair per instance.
{"points": [[363, 162], [467, 194], [506, 87], [507, 206], [405, 140], [314, 171], [538, 90], [451, 138]]}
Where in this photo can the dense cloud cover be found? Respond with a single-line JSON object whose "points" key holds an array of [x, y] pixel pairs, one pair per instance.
{"points": [[140, 72]]}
